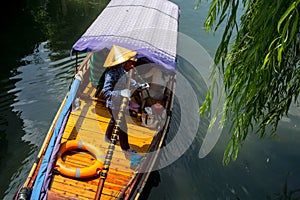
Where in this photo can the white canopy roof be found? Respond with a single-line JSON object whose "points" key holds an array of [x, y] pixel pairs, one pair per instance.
{"points": [[149, 27]]}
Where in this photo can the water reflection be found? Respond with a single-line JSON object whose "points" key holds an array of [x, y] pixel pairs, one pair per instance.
{"points": [[35, 76], [32, 89], [63, 22]]}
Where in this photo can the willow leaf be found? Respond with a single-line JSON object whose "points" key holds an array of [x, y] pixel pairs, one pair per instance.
{"points": [[287, 13], [228, 152], [262, 73]]}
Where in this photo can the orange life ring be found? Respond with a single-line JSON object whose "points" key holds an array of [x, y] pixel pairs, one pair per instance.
{"points": [[84, 172]]}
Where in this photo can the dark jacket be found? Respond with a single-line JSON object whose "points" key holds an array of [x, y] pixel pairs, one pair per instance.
{"points": [[115, 81]]}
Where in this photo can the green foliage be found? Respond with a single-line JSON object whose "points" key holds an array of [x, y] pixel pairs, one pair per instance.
{"points": [[260, 68]]}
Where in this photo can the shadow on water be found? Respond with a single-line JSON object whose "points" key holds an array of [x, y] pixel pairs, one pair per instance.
{"points": [[287, 193], [153, 181], [13, 150]]}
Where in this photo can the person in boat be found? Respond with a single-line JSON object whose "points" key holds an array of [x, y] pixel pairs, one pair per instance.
{"points": [[119, 61], [158, 80]]}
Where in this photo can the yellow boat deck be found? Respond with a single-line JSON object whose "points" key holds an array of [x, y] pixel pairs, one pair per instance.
{"points": [[89, 124]]}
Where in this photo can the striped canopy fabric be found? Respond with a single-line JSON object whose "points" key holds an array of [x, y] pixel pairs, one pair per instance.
{"points": [[149, 27]]}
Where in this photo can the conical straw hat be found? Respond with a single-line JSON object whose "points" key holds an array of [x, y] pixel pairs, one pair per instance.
{"points": [[118, 55]]}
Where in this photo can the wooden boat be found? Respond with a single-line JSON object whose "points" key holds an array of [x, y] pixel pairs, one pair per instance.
{"points": [[75, 162]]}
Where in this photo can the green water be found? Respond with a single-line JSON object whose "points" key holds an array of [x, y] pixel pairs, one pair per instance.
{"points": [[35, 74]]}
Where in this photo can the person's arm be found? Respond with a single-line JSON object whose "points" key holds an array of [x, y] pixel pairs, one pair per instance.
{"points": [[107, 90], [133, 84]]}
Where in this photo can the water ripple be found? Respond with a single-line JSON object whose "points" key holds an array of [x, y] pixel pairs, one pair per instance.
{"points": [[33, 93]]}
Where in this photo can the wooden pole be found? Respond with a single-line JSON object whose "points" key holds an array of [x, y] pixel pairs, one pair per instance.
{"points": [[113, 142]]}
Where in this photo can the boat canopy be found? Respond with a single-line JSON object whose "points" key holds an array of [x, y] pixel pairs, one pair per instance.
{"points": [[148, 27]]}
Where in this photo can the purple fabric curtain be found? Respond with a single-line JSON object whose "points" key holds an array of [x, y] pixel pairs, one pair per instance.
{"points": [[39, 187], [52, 160]]}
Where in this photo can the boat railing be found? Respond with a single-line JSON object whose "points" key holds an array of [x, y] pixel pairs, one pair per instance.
{"points": [[84, 64], [145, 170]]}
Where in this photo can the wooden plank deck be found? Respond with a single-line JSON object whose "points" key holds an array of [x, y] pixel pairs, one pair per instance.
{"points": [[89, 125]]}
